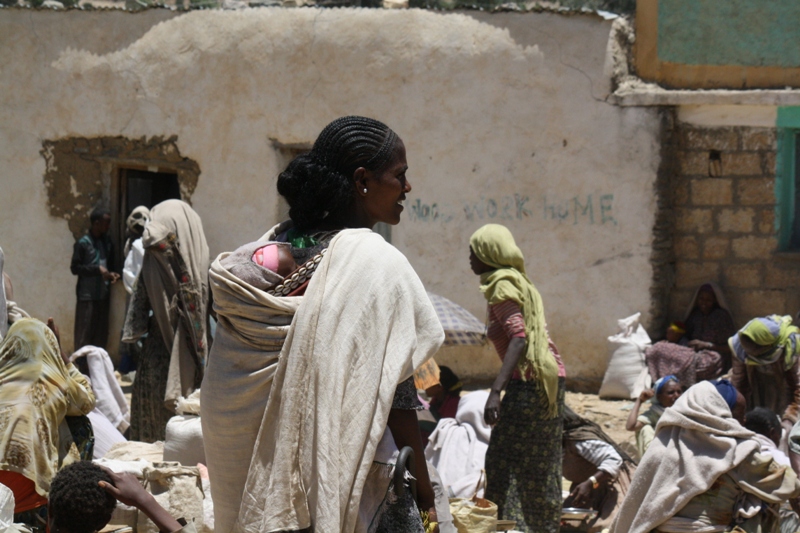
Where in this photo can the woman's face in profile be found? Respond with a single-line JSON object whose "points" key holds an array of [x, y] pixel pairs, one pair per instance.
{"points": [[387, 189]]}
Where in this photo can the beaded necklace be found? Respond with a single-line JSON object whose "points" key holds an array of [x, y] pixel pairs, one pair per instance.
{"points": [[299, 276]]}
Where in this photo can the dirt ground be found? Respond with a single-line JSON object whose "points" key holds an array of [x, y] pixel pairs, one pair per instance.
{"points": [[611, 415]]}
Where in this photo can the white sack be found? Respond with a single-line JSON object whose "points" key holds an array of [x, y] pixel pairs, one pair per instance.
{"points": [[627, 376], [184, 440]]}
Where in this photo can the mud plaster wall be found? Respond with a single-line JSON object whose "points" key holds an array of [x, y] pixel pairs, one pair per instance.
{"points": [[81, 173], [504, 118]]}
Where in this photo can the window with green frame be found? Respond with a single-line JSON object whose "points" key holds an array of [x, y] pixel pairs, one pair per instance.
{"points": [[787, 178]]}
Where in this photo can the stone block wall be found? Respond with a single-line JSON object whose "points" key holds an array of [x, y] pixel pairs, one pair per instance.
{"points": [[723, 208]]}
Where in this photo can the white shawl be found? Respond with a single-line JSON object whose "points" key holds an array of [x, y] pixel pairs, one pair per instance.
{"points": [[696, 442], [252, 326], [457, 447], [365, 323]]}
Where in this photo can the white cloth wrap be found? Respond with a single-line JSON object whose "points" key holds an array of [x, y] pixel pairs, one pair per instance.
{"points": [[457, 447], [697, 441], [133, 265], [110, 400], [365, 324], [252, 326]]}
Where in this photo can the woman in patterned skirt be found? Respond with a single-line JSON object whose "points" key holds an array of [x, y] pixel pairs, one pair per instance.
{"points": [[168, 305], [523, 462]]}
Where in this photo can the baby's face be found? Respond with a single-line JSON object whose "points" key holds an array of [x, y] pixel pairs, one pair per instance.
{"points": [[286, 264]]}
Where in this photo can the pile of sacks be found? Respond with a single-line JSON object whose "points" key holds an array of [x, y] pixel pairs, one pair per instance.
{"points": [[172, 471]]}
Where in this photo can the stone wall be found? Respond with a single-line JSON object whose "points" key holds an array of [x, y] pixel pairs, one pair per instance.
{"points": [[723, 202]]}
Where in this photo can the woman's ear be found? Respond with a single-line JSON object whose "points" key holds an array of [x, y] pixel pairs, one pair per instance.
{"points": [[360, 178]]}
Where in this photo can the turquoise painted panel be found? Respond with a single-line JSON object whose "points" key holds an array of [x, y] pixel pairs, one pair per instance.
{"points": [[751, 33], [788, 117], [788, 124]]}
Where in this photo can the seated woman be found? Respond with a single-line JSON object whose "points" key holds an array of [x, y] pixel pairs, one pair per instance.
{"points": [[457, 448], [709, 324], [40, 390], [765, 366], [599, 470], [665, 391], [705, 472], [683, 359]]}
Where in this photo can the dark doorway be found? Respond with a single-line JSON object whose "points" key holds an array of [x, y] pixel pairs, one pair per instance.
{"points": [[147, 188], [142, 187]]}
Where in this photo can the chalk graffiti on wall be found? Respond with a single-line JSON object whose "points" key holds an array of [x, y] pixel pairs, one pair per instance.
{"points": [[589, 209], [581, 209]]}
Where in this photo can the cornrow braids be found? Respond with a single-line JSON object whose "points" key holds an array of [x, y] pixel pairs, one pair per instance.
{"points": [[319, 185]]}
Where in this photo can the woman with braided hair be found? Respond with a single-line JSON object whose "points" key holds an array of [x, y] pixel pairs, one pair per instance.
{"points": [[309, 393]]}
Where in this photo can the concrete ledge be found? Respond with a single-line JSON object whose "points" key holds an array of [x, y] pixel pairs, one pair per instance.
{"points": [[652, 95]]}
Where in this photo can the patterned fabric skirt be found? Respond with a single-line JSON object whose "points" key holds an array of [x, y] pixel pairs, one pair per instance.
{"points": [[523, 462], [149, 416]]}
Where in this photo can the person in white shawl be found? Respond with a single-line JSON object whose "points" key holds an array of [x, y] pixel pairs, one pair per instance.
{"points": [[704, 472], [457, 447], [168, 305], [303, 377]]}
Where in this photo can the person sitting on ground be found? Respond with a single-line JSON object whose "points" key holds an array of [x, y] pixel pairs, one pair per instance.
{"points": [[767, 428], [457, 447], [766, 366], [709, 323], [663, 394], [41, 391], [446, 395], [83, 497], [682, 358], [704, 471], [599, 470]]}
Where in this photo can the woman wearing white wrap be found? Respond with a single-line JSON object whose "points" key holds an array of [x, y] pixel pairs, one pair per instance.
{"points": [[704, 472], [308, 391]]}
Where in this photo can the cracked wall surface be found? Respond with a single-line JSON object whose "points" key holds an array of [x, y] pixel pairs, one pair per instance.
{"points": [[80, 172], [505, 119]]}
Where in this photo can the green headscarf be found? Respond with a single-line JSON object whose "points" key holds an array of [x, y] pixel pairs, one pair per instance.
{"points": [[494, 245], [775, 331]]}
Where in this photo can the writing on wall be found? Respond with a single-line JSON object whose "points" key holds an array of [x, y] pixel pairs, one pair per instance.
{"points": [[588, 209]]}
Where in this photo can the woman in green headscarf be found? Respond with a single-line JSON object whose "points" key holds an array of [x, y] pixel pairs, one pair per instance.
{"points": [[766, 367], [527, 486]]}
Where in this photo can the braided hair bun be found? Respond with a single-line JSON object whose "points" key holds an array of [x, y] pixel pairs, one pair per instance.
{"points": [[319, 185]]}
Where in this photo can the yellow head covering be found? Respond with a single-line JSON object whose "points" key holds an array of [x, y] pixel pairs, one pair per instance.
{"points": [[38, 391], [494, 245]]}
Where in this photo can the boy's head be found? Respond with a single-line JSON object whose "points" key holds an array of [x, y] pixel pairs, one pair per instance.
{"points": [[78, 504], [764, 422]]}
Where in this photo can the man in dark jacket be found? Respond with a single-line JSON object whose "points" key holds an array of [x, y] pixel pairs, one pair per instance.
{"points": [[93, 263]]}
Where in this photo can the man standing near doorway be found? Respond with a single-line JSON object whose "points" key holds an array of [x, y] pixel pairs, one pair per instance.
{"points": [[93, 263]]}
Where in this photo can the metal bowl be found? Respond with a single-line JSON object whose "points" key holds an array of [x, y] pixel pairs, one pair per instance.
{"points": [[574, 513]]}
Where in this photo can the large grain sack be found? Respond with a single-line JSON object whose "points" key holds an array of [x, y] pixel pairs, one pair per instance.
{"points": [[627, 376], [177, 489], [184, 440]]}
